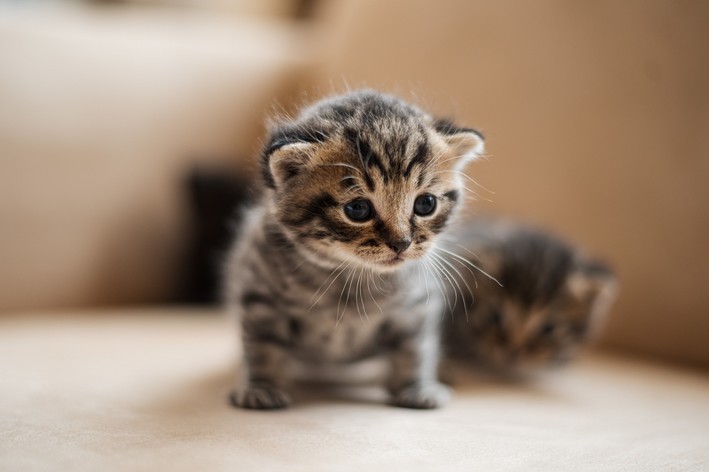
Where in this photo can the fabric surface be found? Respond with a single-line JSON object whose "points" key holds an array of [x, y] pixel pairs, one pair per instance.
{"points": [[103, 113], [591, 114], [146, 390]]}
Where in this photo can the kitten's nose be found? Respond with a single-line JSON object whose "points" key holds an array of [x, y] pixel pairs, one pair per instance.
{"points": [[400, 245]]}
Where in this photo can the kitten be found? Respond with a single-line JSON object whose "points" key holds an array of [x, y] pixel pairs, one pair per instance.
{"points": [[328, 266], [541, 301], [349, 255]]}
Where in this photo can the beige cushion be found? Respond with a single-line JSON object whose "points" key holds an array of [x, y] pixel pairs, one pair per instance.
{"points": [[596, 117], [103, 113], [146, 390]]}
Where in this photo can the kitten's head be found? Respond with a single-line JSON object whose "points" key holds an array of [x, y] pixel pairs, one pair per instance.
{"points": [[366, 178], [552, 300]]}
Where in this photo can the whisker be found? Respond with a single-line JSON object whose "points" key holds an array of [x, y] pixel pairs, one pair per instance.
{"points": [[470, 291], [448, 277], [339, 300], [466, 261], [361, 293], [369, 276], [438, 282], [328, 287]]}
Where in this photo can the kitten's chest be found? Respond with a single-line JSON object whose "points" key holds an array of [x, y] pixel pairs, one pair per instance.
{"points": [[349, 339], [351, 325]]}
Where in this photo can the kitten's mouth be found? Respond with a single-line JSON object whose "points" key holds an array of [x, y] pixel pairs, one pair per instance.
{"points": [[393, 261]]}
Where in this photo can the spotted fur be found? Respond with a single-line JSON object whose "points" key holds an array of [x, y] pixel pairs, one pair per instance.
{"points": [[310, 283]]}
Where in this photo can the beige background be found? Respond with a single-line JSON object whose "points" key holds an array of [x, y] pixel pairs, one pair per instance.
{"points": [[597, 119], [596, 116]]}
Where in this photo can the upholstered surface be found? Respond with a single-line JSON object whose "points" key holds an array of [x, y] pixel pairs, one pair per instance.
{"points": [[145, 390], [103, 112]]}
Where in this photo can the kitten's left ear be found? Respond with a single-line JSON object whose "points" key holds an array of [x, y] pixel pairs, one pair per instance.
{"points": [[466, 143]]}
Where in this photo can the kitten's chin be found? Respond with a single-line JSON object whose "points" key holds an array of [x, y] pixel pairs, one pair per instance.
{"points": [[390, 265]]}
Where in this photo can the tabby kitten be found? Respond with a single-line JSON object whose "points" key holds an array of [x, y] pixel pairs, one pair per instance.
{"points": [[543, 300], [329, 266]]}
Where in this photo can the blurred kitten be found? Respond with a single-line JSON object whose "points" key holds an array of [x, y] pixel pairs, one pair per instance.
{"points": [[542, 301]]}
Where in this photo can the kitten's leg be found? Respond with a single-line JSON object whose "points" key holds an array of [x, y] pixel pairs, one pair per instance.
{"points": [[413, 381], [262, 379]]}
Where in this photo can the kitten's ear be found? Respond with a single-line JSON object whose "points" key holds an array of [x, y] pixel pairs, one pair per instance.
{"points": [[288, 152], [590, 279], [466, 143], [594, 285]]}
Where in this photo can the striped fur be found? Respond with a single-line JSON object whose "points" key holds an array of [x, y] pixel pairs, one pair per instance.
{"points": [[314, 282], [310, 283]]}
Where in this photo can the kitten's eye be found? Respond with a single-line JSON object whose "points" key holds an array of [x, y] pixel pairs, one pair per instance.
{"points": [[424, 204], [358, 210], [496, 317], [547, 328]]}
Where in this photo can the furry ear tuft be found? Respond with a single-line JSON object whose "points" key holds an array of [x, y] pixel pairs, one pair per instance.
{"points": [[466, 143], [288, 150], [591, 279], [596, 286]]}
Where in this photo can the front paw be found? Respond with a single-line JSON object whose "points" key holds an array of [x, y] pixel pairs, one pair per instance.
{"points": [[422, 396], [260, 397]]}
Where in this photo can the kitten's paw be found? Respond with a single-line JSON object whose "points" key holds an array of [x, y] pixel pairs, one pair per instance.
{"points": [[426, 396], [260, 397]]}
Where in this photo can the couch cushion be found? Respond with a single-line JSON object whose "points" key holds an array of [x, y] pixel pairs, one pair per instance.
{"points": [[146, 390], [592, 115], [103, 112]]}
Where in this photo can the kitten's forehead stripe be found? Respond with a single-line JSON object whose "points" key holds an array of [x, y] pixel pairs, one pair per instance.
{"points": [[419, 159], [368, 158]]}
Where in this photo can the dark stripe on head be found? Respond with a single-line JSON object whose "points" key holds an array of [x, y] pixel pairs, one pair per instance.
{"points": [[366, 155], [447, 128], [353, 139], [394, 150], [419, 158], [370, 243]]}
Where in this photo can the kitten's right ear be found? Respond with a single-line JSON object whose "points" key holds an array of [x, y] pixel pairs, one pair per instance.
{"points": [[466, 143], [287, 153], [592, 279], [595, 286]]}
